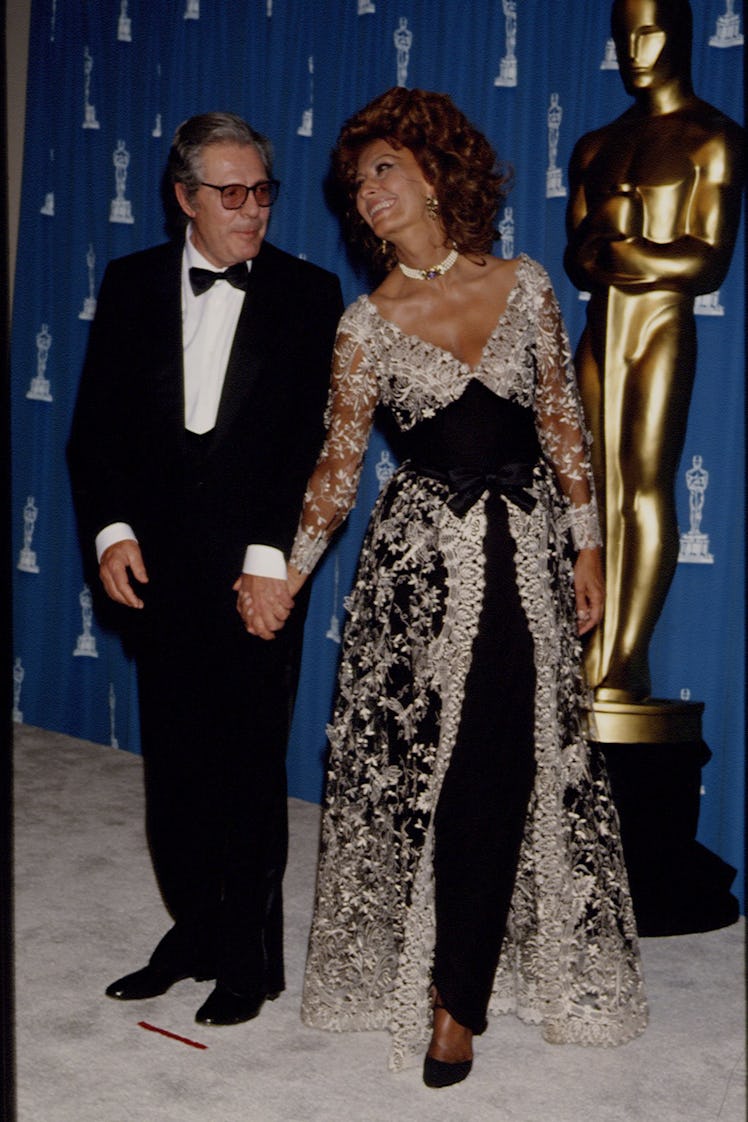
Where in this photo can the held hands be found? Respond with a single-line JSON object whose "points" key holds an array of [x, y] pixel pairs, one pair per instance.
{"points": [[264, 603], [115, 562], [589, 589]]}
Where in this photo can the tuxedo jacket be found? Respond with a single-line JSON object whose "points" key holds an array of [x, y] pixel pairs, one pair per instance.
{"points": [[128, 450]]}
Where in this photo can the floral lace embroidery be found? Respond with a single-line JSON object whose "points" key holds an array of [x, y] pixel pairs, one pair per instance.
{"points": [[527, 359]]}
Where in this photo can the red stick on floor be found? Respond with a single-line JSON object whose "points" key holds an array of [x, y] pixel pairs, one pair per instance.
{"points": [[172, 1035]]}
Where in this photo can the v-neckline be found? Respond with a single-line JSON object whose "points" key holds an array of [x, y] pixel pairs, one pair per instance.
{"points": [[521, 259]]}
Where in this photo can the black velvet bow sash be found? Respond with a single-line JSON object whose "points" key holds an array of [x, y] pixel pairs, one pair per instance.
{"points": [[468, 484]]}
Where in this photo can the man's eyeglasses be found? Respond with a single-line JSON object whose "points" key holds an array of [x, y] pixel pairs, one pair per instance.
{"points": [[234, 195]]}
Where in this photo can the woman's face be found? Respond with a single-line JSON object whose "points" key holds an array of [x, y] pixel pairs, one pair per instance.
{"points": [[391, 189]]}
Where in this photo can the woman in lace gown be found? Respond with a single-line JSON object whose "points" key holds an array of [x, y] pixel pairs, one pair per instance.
{"points": [[470, 857]]}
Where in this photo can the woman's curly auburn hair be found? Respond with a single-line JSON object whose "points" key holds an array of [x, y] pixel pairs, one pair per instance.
{"points": [[451, 153]]}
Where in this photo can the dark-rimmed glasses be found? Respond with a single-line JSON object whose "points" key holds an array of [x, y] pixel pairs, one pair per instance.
{"points": [[234, 195]]}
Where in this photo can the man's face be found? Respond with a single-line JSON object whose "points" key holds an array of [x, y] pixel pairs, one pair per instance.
{"points": [[226, 236], [643, 36]]}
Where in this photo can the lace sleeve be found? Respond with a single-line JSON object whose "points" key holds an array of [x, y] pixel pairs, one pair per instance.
{"points": [[331, 490], [560, 421]]}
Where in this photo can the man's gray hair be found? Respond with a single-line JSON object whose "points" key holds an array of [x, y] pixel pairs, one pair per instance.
{"points": [[198, 133]]}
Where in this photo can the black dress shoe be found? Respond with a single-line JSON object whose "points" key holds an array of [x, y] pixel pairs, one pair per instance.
{"points": [[224, 1007], [148, 982]]}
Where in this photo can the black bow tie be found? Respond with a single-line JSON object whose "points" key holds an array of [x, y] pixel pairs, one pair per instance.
{"points": [[202, 279]]}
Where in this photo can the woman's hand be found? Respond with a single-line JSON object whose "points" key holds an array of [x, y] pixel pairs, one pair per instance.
{"points": [[295, 579], [589, 589]]}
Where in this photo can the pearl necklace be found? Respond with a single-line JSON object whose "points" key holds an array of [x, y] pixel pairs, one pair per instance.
{"points": [[435, 270]]}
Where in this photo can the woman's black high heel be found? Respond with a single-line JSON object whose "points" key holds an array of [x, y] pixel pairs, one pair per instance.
{"points": [[440, 1073]]}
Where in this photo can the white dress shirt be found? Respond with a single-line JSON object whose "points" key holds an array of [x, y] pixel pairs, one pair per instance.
{"points": [[208, 328]]}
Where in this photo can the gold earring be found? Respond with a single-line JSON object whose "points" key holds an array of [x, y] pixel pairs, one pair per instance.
{"points": [[383, 247], [432, 207]]}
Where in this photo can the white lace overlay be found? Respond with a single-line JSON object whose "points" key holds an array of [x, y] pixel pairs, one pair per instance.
{"points": [[569, 958], [527, 359]]}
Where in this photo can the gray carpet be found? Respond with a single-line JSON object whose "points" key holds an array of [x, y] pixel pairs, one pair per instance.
{"points": [[88, 910]]}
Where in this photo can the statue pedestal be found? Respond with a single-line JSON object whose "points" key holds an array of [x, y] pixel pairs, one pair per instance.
{"points": [[654, 754]]}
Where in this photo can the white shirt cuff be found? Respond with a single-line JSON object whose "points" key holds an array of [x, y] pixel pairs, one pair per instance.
{"points": [[265, 561], [115, 532]]}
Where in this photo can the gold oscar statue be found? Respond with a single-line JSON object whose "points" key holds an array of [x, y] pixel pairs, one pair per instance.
{"points": [[653, 213]]}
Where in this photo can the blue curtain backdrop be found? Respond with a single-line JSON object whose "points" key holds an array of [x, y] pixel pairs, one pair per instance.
{"points": [[109, 81]]}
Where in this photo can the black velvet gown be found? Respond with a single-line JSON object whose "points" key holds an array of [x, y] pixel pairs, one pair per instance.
{"points": [[468, 835]]}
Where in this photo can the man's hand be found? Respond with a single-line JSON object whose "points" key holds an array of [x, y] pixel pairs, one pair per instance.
{"points": [[264, 603], [113, 570]]}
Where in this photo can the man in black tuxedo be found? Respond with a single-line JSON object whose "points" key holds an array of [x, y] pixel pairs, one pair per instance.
{"points": [[198, 421]]}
